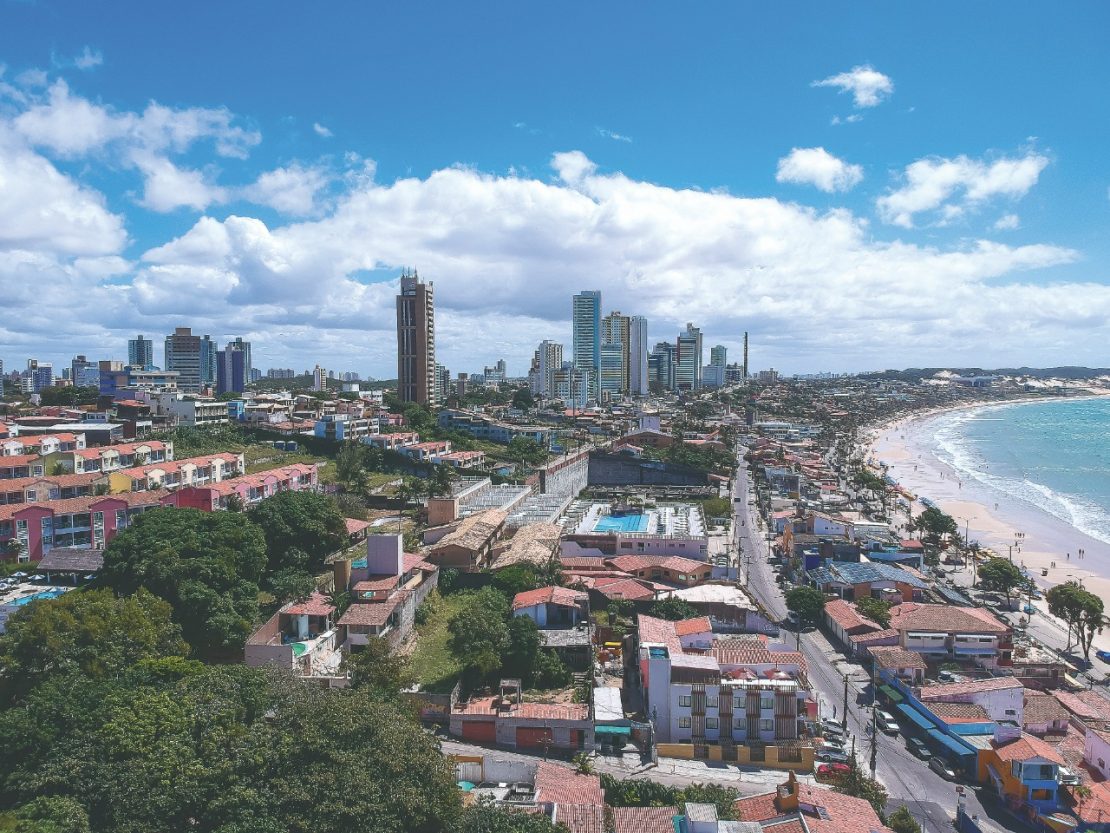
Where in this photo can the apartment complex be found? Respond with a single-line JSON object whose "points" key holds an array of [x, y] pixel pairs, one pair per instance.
{"points": [[586, 334], [140, 352], [194, 359], [416, 341]]}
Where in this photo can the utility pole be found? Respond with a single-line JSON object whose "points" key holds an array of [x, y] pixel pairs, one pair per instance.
{"points": [[845, 700], [874, 740]]}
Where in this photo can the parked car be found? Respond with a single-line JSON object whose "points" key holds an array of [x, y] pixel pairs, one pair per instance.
{"points": [[832, 756], [1103, 655], [886, 722], [838, 724], [835, 744], [832, 770], [942, 768], [947, 677], [919, 748], [831, 729]]}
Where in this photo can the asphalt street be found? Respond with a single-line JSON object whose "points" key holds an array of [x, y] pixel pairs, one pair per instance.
{"points": [[930, 798]]}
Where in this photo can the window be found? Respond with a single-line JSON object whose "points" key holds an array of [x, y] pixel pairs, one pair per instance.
{"points": [[685, 700], [740, 723], [1011, 711], [710, 723], [738, 704], [766, 702], [766, 725], [684, 723]]}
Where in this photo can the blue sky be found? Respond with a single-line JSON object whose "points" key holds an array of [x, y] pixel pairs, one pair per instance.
{"points": [[859, 185]]}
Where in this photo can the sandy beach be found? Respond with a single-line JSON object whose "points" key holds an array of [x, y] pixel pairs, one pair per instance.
{"points": [[906, 446]]}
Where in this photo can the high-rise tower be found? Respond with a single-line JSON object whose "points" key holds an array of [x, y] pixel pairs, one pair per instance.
{"points": [[688, 359], [637, 356], [586, 323], [416, 341], [193, 357], [140, 352]]}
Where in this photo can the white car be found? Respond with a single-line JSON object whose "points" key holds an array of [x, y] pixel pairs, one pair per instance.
{"points": [[886, 722]]}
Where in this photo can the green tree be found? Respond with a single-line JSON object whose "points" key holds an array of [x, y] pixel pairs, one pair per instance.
{"points": [[723, 797], [296, 523], [807, 603], [999, 575], [674, 609], [523, 652], [92, 632], [379, 670], [855, 783], [902, 821], [479, 635], [207, 565], [351, 506], [50, 814], [523, 399], [638, 792], [516, 579], [935, 525], [526, 449], [877, 610], [1064, 603], [289, 584], [486, 818], [350, 461]]}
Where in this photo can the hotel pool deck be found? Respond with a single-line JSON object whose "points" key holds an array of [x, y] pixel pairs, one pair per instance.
{"points": [[680, 519]]}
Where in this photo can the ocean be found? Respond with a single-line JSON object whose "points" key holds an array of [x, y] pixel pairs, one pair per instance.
{"points": [[1052, 455]]}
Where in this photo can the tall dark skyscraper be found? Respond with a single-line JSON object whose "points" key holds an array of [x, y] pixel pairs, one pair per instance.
{"points": [[140, 352], [193, 357], [416, 341], [233, 367]]}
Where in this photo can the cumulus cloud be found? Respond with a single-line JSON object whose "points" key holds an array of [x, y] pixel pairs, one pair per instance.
{"points": [[167, 187], [291, 190], [1007, 222], [955, 186], [819, 168], [868, 86], [321, 130]]}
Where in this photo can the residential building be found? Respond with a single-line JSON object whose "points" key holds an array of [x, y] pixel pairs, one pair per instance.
{"points": [[688, 359], [175, 474], [281, 373], [1023, 769], [548, 360], [190, 411], [485, 428], [616, 331], [573, 385], [194, 359], [508, 720], [944, 632], [38, 376], [319, 379], [443, 383], [586, 334], [83, 373], [140, 353], [343, 427], [794, 807], [611, 373], [249, 488], [233, 367], [552, 607], [416, 341], [638, 378], [468, 545], [1001, 698]]}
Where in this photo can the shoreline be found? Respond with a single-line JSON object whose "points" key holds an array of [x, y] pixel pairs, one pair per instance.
{"points": [[988, 515]]}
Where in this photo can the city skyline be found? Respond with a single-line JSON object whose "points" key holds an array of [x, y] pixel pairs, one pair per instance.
{"points": [[858, 205]]}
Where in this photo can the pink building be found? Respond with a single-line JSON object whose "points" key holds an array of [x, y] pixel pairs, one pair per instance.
{"points": [[250, 488]]}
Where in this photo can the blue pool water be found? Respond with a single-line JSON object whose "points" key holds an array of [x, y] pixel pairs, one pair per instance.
{"points": [[622, 523], [45, 594]]}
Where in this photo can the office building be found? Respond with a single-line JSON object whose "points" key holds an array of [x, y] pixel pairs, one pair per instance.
{"points": [[233, 369], [194, 359], [586, 332], [688, 359], [37, 376], [140, 352], [661, 366], [83, 373], [416, 341], [637, 356], [718, 356]]}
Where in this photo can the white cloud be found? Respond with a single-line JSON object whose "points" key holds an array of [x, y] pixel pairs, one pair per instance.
{"points": [[1007, 222], [850, 119], [819, 168], [931, 183], [291, 190], [868, 86], [609, 134], [167, 186], [88, 58], [321, 130]]}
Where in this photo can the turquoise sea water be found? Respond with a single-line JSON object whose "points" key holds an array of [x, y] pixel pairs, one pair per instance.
{"points": [[1054, 455]]}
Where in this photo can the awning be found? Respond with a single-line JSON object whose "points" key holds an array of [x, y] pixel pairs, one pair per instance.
{"points": [[891, 692], [951, 744], [612, 730], [916, 717]]}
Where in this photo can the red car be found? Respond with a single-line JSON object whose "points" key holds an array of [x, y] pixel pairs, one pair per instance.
{"points": [[832, 770]]}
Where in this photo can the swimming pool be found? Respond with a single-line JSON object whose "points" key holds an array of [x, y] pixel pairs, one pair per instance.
{"points": [[45, 594], [622, 523]]}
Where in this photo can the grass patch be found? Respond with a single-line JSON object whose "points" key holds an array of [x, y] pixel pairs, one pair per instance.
{"points": [[432, 661]]}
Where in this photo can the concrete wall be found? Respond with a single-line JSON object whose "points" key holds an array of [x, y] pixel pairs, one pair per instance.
{"points": [[566, 477], [619, 470]]}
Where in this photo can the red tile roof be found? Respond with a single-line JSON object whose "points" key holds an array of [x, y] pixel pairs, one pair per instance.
{"points": [[372, 614], [560, 785], [659, 632], [355, 526], [562, 596], [1024, 748], [686, 627], [525, 711], [941, 692], [628, 588], [676, 563], [644, 819], [846, 615], [912, 616], [315, 605]]}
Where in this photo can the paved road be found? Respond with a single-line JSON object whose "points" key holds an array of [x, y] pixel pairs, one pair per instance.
{"points": [[930, 798]]}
